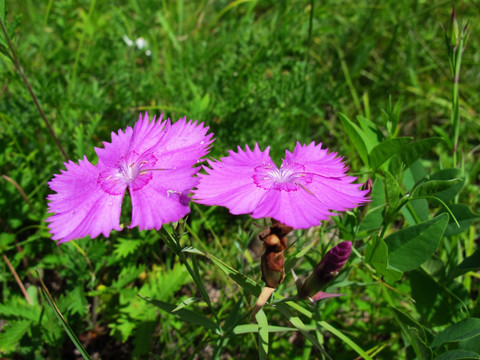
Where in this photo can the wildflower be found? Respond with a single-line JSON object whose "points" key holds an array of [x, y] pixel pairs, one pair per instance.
{"points": [[325, 272], [140, 44], [153, 160], [309, 185]]}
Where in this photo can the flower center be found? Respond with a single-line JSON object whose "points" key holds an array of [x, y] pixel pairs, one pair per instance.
{"points": [[131, 170], [290, 176]]}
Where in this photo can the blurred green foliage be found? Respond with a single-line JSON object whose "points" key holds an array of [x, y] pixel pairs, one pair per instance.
{"points": [[371, 80]]}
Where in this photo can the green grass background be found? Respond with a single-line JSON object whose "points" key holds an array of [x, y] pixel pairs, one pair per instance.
{"points": [[272, 72]]}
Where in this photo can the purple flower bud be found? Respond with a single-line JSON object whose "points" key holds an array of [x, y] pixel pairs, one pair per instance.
{"points": [[326, 270]]}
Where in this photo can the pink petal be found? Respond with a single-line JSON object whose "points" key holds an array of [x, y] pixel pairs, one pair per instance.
{"points": [[163, 199], [140, 139], [323, 295], [298, 208], [183, 144], [330, 184], [230, 182], [337, 193], [317, 160], [80, 205]]}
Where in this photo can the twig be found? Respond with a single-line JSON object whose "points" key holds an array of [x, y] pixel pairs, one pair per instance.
{"points": [[20, 190], [19, 282]]}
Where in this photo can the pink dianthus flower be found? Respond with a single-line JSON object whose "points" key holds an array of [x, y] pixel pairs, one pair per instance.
{"points": [[310, 183], [154, 160]]}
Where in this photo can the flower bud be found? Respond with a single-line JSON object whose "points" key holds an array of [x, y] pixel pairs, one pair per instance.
{"points": [[326, 270]]}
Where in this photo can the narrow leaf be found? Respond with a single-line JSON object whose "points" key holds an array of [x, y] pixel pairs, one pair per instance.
{"points": [[357, 136], [192, 250], [345, 339], [298, 323], [62, 320], [253, 328], [185, 303], [184, 314], [247, 284], [262, 334]]}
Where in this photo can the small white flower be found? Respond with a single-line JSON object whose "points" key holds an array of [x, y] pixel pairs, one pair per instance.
{"points": [[141, 43], [127, 40]]}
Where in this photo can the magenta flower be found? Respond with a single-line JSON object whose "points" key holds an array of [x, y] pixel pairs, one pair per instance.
{"points": [[310, 184], [153, 160]]}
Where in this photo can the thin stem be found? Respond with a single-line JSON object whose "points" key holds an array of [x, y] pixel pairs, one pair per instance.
{"points": [[17, 279], [173, 243], [30, 90], [455, 117]]}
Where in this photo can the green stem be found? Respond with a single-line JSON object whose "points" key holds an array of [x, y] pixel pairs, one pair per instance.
{"points": [[455, 115], [173, 243]]}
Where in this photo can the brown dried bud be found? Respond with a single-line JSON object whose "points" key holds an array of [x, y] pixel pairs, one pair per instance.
{"points": [[273, 261]]}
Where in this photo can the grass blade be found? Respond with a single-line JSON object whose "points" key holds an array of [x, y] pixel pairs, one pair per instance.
{"points": [[62, 320]]}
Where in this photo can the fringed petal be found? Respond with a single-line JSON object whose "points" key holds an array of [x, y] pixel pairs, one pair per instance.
{"points": [[230, 181], [80, 205]]}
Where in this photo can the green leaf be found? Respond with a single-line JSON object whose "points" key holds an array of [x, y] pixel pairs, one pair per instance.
{"points": [[435, 302], [471, 263], [406, 322], [392, 115], [412, 246], [448, 174], [374, 217], [458, 355], [262, 334], [392, 191], [247, 284], [411, 153], [345, 339], [192, 250], [385, 150], [125, 247], [128, 274], [300, 326], [62, 320], [253, 328], [434, 187], [421, 349], [12, 334], [376, 254], [76, 301], [465, 329], [373, 133], [464, 216], [184, 314], [185, 303], [358, 137], [417, 209]]}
